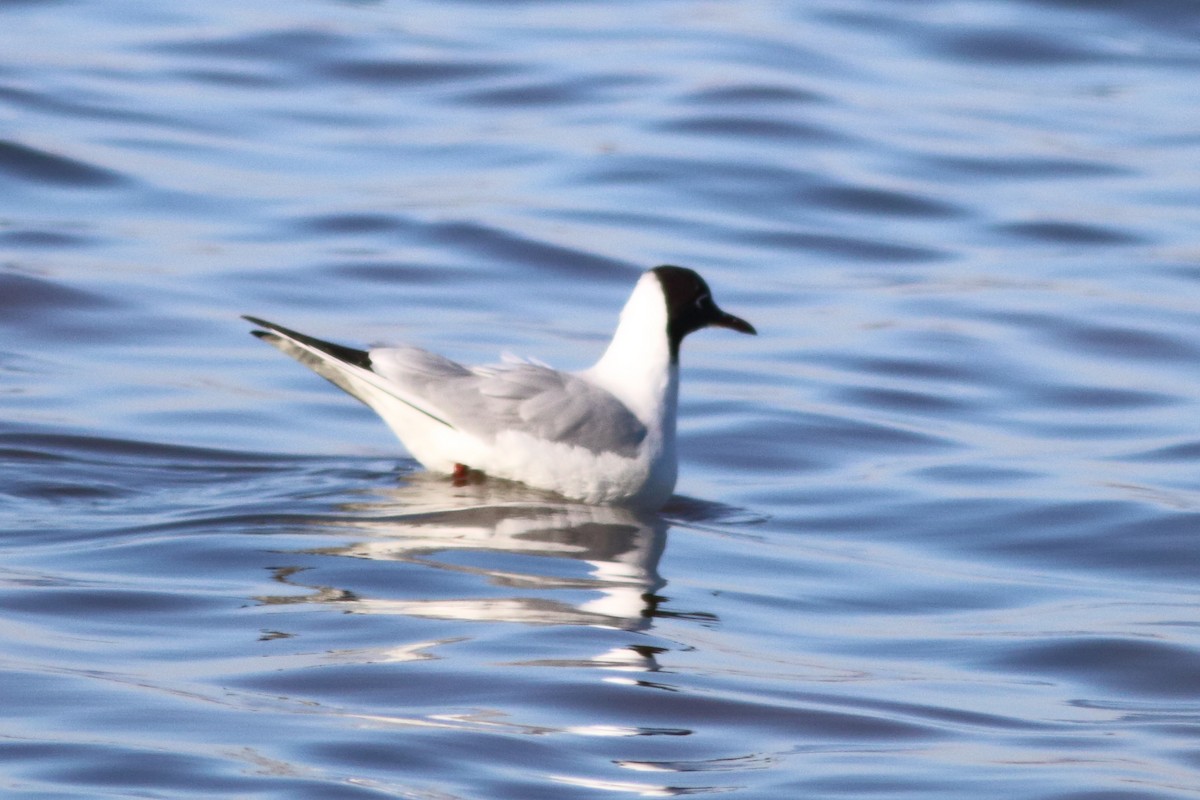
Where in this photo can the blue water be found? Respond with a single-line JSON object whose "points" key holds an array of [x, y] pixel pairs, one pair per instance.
{"points": [[938, 526]]}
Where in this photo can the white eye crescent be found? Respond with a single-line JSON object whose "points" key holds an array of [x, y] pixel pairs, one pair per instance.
{"points": [[702, 299]]}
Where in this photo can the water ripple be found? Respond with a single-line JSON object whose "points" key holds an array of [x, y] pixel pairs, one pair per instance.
{"points": [[42, 167], [1126, 665]]}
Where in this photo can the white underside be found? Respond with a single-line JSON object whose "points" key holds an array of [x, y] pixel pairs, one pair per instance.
{"points": [[645, 480]]}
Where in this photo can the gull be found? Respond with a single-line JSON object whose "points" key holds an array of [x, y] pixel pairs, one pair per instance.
{"points": [[605, 435]]}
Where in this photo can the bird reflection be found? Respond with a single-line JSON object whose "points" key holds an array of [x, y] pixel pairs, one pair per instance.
{"points": [[557, 562]]}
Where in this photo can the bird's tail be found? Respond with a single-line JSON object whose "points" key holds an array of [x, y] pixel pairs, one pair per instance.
{"points": [[346, 367]]}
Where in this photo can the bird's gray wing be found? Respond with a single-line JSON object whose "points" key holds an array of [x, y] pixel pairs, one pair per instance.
{"points": [[524, 397]]}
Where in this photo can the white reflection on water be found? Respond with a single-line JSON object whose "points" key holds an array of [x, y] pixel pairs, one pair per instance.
{"points": [[427, 521]]}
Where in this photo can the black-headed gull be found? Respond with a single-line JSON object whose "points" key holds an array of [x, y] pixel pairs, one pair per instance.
{"points": [[604, 435]]}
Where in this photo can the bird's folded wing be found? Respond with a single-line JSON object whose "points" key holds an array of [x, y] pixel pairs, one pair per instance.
{"points": [[523, 397]]}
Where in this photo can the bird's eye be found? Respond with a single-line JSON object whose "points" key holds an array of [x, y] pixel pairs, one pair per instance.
{"points": [[702, 300]]}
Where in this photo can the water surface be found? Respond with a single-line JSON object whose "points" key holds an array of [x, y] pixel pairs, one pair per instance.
{"points": [[936, 531]]}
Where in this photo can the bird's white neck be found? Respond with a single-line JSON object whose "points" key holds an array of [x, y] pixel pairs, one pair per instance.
{"points": [[637, 366]]}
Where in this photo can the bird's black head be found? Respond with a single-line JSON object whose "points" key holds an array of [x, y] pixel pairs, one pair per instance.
{"points": [[690, 306]]}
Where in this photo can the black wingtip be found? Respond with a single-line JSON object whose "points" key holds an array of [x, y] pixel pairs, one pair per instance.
{"points": [[359, 358]]}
